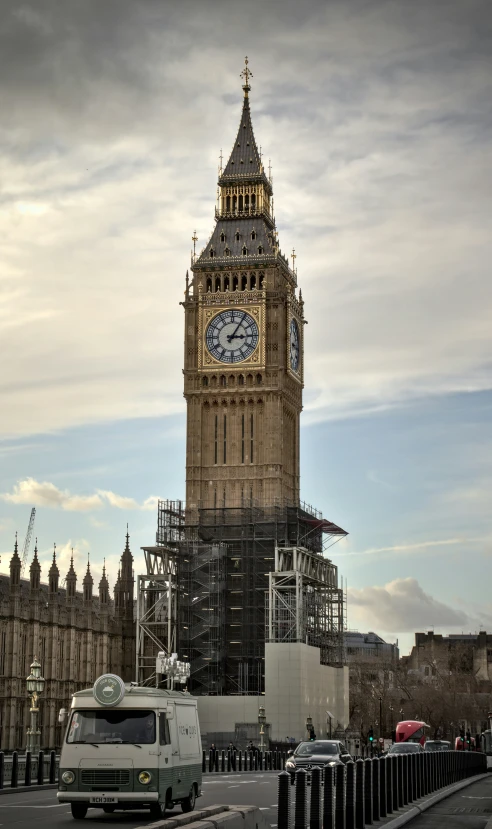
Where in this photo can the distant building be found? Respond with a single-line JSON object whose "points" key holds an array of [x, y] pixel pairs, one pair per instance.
{"points": [[75, 635], [469, 653], [370, 648]]}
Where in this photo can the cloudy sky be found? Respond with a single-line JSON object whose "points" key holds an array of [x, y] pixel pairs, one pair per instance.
{"points": [[377, 117]]}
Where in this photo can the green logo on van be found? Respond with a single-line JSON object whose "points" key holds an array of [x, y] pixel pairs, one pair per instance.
{"points": [[109, 689]]}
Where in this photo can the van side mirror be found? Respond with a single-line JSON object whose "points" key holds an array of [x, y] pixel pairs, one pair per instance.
{"points": [[289, 752], [62, 715]]}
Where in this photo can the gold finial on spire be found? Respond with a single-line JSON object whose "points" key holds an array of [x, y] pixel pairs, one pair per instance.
{"points": [[194, 239], [294, 257], [246, 74]]}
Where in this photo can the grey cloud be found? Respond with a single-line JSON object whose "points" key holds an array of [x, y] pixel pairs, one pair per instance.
{"points": [[401, 606]]}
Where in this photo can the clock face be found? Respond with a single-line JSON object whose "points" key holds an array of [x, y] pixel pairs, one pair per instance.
{"points": [[294, 345], [232, 336]]}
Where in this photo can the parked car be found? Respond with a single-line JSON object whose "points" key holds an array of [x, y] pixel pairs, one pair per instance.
{"points": [[317, 753], [437, 745], [405, 748]]}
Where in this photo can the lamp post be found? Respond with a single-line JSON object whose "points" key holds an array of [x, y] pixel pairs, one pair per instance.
{"points": [[35, 685], [262, 721], [309, 725], [176, 672], [381, 729]]}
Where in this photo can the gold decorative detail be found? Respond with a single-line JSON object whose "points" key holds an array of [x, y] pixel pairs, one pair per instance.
{"points": [[246, 74]]}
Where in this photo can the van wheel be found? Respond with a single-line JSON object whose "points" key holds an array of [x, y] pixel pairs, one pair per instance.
{"points": [[109, 809], [79, 810], [188, 804], [157, 811]]}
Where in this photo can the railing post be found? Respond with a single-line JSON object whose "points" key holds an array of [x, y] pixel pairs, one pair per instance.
{"points": [[394, 763], [372, 790], [40, 768], [2, 769], [328, 798], [315, 821], [204, 761], [216, 759], [350, 795], [27, 769], [52, 777], [229, 767], [404, 781], [360, 803], [341, 796], [260, 759], [389, 785], [425, 773], [300, 809], [399, 777], [222, 761], [283, 816], [418, 777], [15, 770], [256, 760], [383, 787], [240, 761]]}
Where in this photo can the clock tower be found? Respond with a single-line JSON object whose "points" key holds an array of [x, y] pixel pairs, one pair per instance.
{"points": [[243, 357]]}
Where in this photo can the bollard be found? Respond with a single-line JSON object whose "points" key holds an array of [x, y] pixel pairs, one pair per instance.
{"points": [[425, 774], [256, 760], [222, 761], [2, 769], [315, 821], [204, 761], [340, 796], [260, 759], [328, 797], [372, 790], [234, 760], [389, 785], [216, 760], [283, 815], [418, 775], [15, 770], [52, 778], [27, 769], [399, 777], [240, 761], [350, 795], [40, 768], [210, 760], [360, 791], [229, 766], [300, 809]]}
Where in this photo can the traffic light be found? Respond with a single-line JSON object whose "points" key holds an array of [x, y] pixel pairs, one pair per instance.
{"points": [[371, 735], [312, 736]]}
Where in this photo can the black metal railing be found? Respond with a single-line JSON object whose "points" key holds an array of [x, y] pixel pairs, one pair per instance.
{"points": [[20, 770], [218, 761], [357, 794]]}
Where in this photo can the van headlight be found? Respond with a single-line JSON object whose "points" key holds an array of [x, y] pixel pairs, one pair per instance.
{"points": [[144, 778], [290, 764], [68, 777]]}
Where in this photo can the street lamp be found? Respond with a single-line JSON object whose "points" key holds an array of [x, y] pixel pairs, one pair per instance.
{"points": [[309, 726], [380, 717], [176, 672], [262, 721], [35, 685]]}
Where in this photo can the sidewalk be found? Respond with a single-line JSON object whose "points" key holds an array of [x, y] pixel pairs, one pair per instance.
{"points": [[470, 808]]}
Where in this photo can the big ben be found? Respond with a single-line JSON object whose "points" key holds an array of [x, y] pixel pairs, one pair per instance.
{"points": [[243, 356], [243, 381]]}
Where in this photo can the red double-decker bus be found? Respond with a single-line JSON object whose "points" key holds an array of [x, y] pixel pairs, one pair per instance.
{"points": [[411, 731]]}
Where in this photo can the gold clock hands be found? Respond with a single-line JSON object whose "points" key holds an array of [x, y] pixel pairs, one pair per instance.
{"points": [[231, 337]]}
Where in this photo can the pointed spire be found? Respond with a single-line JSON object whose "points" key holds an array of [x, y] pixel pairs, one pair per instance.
{"points": [[71, 580], [35, 569], [15, 566], [54, 574], [88, 582], [104, 587]]}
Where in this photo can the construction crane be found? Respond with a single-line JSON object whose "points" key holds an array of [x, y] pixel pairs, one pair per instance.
{"points": [[27, 541]]}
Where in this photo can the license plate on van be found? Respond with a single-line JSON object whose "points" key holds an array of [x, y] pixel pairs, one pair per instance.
{"points": [[103, 799]]}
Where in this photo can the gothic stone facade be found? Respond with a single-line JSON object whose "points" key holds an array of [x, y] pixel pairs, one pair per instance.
{"points": [[75, 635]]}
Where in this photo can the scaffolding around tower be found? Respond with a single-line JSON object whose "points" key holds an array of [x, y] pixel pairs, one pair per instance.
{"points": [[305, 604], [157, 592]]}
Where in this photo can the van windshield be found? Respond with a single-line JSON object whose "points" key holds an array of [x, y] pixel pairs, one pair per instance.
{"points": [[111, 726]]}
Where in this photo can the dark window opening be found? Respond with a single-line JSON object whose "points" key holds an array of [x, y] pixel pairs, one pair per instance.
{"points": [[237, 235], [223, 381], [240, 380], [227, 252], [217, 283], [235, 283], [234, 204], [222, 237], [204, 381], [212, 253], [240, 204], [226, 283], [253, 201], [228, 204], [258, 379], [253, 235], [245, 252], [216, 437], [225, 438], [209, 284], [253, 281], [260, 249], [164, 736], [262, 279], [244, 282], [252, 437], [242, 439]]}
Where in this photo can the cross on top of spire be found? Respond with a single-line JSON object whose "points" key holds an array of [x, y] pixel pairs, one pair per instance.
{"points": [[246, 74]]}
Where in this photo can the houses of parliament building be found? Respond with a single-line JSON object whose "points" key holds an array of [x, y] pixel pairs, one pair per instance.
{"points": [[76, 635]]}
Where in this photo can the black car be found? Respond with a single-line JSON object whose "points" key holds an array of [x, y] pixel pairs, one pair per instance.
{"points": [[317, 753], [437, 745], [405, 748]]}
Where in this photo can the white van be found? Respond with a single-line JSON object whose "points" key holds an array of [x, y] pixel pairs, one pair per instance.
{"points": [[127, 747]]}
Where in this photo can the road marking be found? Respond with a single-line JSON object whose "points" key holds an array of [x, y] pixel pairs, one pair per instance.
{"points": [[264, 808], [475, 797], [28, 806], [233, 787]]}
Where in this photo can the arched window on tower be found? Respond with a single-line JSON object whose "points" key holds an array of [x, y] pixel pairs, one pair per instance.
{"points": [[226, 283], [209, 283], [244, 282], [245, 250], [240, 380], [217, 283], [222, 237], [262, 279], [227, 252], [260, 249], [252, 281], [253, 235], [234, 204], [237, 235], [253, 201], [246, 203], [240, 204], [204, 382], [228, 204], [235, 283], [212, 253], [258, 379]]}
